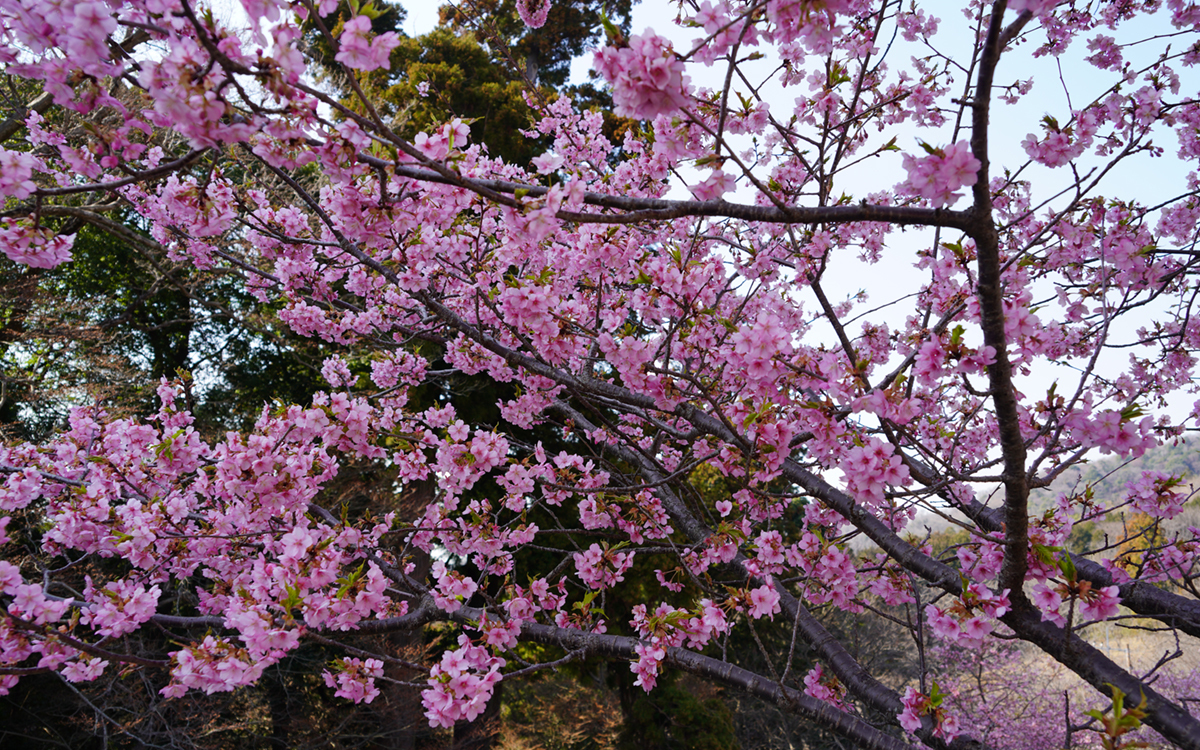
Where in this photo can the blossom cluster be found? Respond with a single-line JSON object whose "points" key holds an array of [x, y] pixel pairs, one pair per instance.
{"points": [[357, 51], [646, 76], [355, 679], [939, 176], [461, 684]]}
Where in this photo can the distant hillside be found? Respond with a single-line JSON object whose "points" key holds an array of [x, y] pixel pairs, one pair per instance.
{"points": [[1108, 476]]}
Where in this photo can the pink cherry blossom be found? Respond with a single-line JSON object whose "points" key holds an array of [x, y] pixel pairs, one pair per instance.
{"points": [[534, 17], [1100, 604], [938, 176], [646, 76], [764, 601], [356, 51]]}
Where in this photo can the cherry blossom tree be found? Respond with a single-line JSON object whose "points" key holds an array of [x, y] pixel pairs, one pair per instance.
{"points": [[685, 299]]}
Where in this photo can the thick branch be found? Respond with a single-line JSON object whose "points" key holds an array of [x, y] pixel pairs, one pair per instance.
{"points": [[848, 670], [619, 647], [1146, 599], [637, 209], [1100, 672], [991, 309], [12, 125]]}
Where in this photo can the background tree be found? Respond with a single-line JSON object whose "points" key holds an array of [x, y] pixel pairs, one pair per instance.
{"points": [[541, 55]]}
